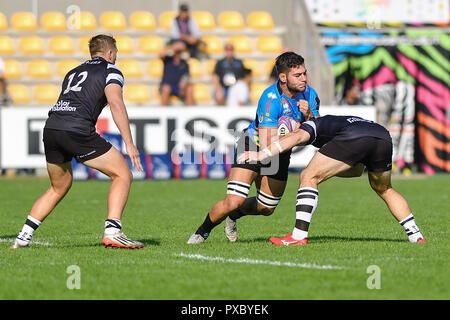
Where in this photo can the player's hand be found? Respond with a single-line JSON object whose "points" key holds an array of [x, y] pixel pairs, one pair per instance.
{"points": [[303, 106], [135, 158], [249, 156]]}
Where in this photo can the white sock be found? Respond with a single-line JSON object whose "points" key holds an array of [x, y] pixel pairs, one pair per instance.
{"points": [[112, 226], [412, 230], [25, 235], [307, 199]]}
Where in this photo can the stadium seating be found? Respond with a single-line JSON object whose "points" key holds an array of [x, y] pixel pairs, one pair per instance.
{"points": [[231, 20], [165, 19], [205, 20], [269, 44], [41, 49], [39, 69], [23, 21], [83, 21], [142, 21], [13, 69], [113, 21], [268, 66], [61, 45], [256, 89], [19, 93], [214, 44], [242, 44], [53, 21], [46, 93], [6, 45], [260, 20], [150, 44], [83, 44], [125, 44], [201, 93], [131, 68], [210, 64], [155, 68], [62, 67], [3, 22], [137, 93], [253, 65], [195, 68], [32, 45]]}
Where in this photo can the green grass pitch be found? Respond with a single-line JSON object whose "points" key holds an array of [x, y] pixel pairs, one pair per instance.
{"points": [[351, 230]]}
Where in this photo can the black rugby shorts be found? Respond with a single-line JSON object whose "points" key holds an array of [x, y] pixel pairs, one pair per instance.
{"points": [[276, 168], [61, 146], [374, 153]]}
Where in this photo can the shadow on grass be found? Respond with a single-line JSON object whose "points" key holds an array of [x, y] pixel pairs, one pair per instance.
{"points": [[146, 242]]}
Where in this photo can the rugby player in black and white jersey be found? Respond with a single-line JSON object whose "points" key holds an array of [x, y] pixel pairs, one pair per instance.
{"points": [[69, 132], [347, 144]]}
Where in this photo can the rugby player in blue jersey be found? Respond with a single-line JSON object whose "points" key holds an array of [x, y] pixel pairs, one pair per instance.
{"points": [[347, 144], [288, 96]]}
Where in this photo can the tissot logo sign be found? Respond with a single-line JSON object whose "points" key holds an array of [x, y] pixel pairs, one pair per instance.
{"points": [[155, 131]]}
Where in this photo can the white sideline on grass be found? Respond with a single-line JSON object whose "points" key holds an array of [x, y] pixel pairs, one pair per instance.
{"points": [[264, 262], [32, 241]]}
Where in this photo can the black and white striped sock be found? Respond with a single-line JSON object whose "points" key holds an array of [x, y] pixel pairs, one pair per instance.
{"points": [[112, 226], [25, 235], [306, 204], [411, 228]]}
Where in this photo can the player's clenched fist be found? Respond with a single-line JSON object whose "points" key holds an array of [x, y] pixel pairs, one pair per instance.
{"points": [[303, 106]]}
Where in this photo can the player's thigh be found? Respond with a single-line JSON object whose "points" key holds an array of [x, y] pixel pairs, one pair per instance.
{"points": [[111, 163], [60, 175], [270, 186], [321, 168]]}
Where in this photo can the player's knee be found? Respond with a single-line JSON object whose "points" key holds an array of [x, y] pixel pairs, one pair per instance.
{"points": [[62, 187], [232, 203], [379, 188], [308, 176]]}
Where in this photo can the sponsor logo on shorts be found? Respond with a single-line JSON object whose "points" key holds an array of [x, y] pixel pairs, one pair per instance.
{"points": [[87, 154]]}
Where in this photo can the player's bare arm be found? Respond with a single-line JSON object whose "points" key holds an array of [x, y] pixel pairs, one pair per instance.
{"points": [[287, 142], [114, 96], [267, 135]]}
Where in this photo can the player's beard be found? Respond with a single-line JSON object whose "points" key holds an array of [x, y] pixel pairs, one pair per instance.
{"points": [[294, 90]]}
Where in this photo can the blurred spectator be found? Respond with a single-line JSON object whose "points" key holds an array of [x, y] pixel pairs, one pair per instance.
{"points": [[225, 74], [175, 80], [352, 94], [239, 93], [185, 28], [3, 92]]}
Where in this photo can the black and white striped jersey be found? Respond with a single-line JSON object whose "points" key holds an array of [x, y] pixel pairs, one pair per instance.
{"points": [[342, 128], [82, 96]]}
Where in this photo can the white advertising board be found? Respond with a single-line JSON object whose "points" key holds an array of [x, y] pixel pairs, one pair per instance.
{"points": [[155, 130]]}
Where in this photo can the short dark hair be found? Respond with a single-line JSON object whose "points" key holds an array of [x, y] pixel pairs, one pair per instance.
{"points": [[184, 7], [288, 60], [100, 44]]}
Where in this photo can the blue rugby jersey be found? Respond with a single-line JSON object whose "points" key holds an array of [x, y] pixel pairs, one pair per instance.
{"points": [[274, 104]]}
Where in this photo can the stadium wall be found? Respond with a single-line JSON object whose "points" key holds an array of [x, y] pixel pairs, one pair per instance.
{"points": [[156, 131]]}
